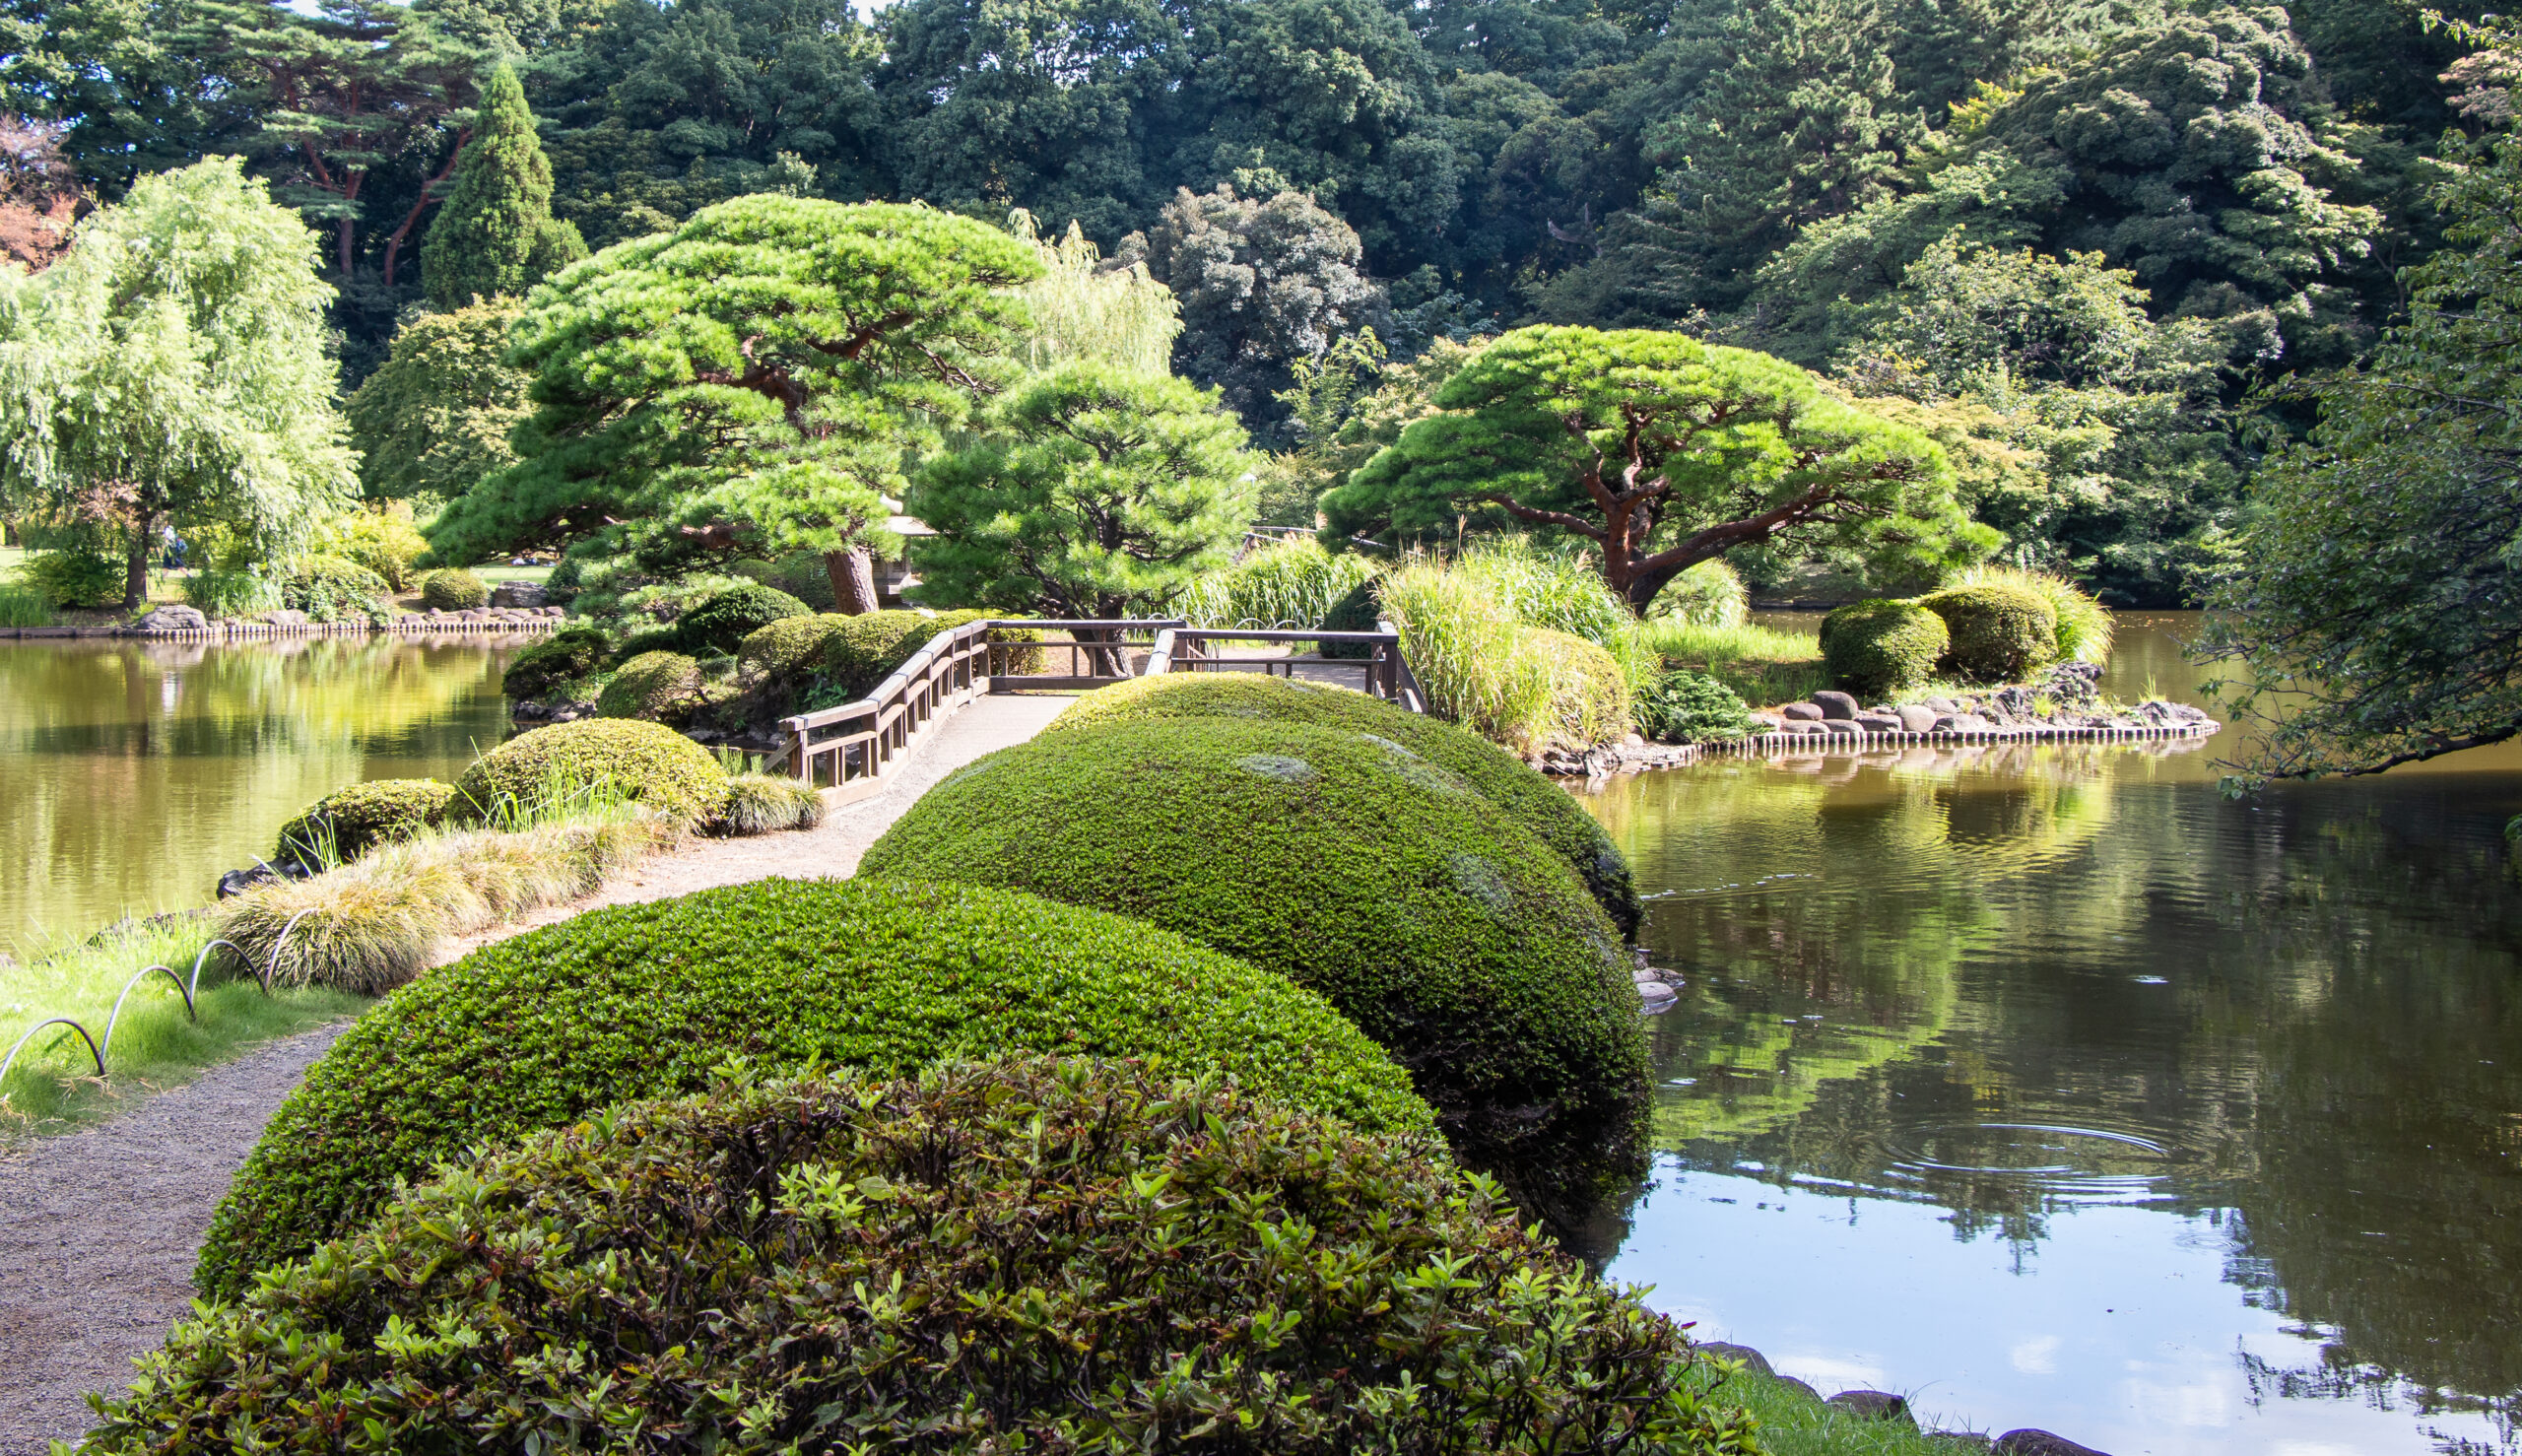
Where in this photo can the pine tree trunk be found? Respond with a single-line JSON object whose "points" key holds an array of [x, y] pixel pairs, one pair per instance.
{"points": [[853, 580]]}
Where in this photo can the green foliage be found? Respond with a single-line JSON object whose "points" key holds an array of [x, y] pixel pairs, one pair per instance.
{"points": [[721, 622], [1684, 706], [719, 1226], [1085, 310], [2375, 612], [1880, 648], [494, 235], [1589, 692], [434, 420], [171, 368], [453, 589], [1466, 648], [2001, 632], [2085, 625], [1290, 583], [1093, 492], [758, 375], [759, 803], [1547, 424], [332, 588], [556, 664], [74, 577], [831, 659], [1762, 664], [1428, 915], [350, 821], [1709, 594], [633, 1001], [645, 762], [230, 595], [21, 604], [1532, 801], [661, 686], [382, 540]]}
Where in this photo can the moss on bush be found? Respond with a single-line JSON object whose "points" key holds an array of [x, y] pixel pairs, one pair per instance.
{"points": [[567, 657], [359, 817], [1035, 1255], [661, 686], [1359, 868], [453, 589], [721, 622], [645, 1000], [2001, 634], [1883, 648], [1531, 800], [643, 762]]}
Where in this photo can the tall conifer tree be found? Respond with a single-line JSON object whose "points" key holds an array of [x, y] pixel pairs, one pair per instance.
{"points": [[497, 236]]}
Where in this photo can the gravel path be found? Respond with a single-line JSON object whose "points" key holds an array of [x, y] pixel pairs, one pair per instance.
{"points": [[97, 1233], [98, 1230]]}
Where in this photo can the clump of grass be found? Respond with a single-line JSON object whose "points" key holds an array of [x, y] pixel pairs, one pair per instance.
{"points": [[1793, 1424], [1287, 587], [2085, 625], [760, 803], [1466, 648], [21, 604], [54, 1086], [1709, 594], [1762, 665]]}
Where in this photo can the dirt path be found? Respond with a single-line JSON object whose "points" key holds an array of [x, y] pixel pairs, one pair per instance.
{"points": [[98, 1230]]}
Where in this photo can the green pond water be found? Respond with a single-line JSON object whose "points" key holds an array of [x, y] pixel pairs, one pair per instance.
{"points": [[2048, 1088], [133, 773]]}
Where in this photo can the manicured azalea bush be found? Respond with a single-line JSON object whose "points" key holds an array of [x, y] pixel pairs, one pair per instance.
{"points": [[824, 660], [1684, 706], [2001, 632], [1880, 648], [353, 819], [723, 622], [1034, 1255], [647, 762], [554, 665], [643, 1000], [661, 686], [453, 589], [1356, 867], [1539, 804]]}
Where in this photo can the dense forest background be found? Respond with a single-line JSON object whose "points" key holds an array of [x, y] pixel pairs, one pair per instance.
{"points": [[2076, 241]]}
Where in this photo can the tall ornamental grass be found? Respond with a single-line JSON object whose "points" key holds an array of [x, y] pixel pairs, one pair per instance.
{"points": [[1466, 648], [1285, 588], [21, 604], [1709, 594], [2085, 625]]}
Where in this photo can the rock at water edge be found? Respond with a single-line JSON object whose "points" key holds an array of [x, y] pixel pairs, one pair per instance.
{"points": [[1835, 706]]}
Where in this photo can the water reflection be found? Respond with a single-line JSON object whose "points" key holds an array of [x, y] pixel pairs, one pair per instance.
{"points": [[134, 772], [1980, 1050]]}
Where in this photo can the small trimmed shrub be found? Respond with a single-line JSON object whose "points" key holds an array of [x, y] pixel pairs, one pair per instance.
{"points": [[357, 818], [334, 589], [721, 622], [561, 587], [453, 589], [1684, 706], [2001, 634], [1353, 865], [831, 658], [1032, 1255], [650, 640], [1589, 694], [661, 686], [73, 578], [1542, 807], [550, 666], [760, 803], [645, 762], [1883, 648], [645, 1000], [229, 595], [2085, 625]]}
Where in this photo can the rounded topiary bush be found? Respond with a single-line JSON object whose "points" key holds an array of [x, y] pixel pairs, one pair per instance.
{"points": [[2001, 634], [1882, 648], [647, 762], [453, 590], [645, 1000], [567, 656], [1531, 800], [1031, 1255], [355, 819], [1447, 932], [722, 623], [657, 685], [330, 589]]}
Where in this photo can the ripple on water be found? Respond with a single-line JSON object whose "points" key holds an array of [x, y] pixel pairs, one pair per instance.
{"points": [[2054, 1164]]}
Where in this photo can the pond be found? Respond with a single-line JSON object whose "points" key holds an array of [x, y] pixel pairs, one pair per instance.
{"points": [[2047, 1087], [135, 772]]}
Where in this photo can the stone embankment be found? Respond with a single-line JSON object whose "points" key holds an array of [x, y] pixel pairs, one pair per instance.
{"points": [[1882, 1405]]}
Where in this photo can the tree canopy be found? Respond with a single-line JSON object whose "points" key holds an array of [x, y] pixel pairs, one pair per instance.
{"points": [[750, 383], [1661, 452], [495, 237], [435, 420]]}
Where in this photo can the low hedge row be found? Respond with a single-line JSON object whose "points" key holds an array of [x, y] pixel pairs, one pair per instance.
{"points": [[1882, 648], [1038, 1255], [643, 1000], [1356, 867]]}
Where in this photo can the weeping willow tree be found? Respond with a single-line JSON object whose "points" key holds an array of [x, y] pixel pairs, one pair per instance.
{"points": [[1087, 310]]}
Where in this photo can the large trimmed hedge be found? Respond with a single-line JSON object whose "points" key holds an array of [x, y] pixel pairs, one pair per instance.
{"points": [[662, 686], [359, 817], [645, 761], [1882, 648], [722, 623], [642, 1000], [1539, 804], [1424, 913], [1055, 1256], [2001, 634]]}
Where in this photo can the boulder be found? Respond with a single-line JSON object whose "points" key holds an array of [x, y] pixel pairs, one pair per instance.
{"points": [[517, 594], [1874, 1404], [173, 619], [1881, 723], [2031, 1442], [1835, 706], [1803, 713], [1917, 717], [1742, 1355], [1942, 704], [1800, 1388], [286, 617], [1962, 724], [237, 882]]}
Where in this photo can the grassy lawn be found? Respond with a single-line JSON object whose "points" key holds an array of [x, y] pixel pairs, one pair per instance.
{"points": [[1763, 664], [1793, 1424]]}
